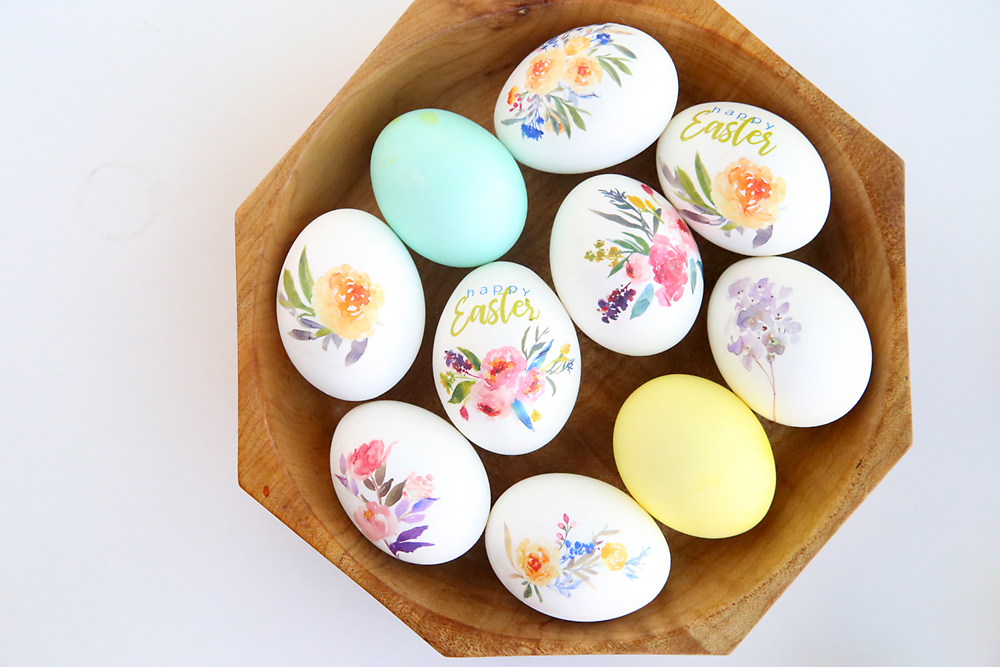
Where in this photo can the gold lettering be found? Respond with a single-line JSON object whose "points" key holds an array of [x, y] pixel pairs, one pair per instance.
{"points": [[694, 121], [458, 315]]}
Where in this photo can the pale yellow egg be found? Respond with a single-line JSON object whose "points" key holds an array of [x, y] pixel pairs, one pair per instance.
{"points": [[694, 456]]}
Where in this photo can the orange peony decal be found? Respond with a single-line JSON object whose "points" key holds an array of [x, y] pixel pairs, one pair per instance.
{"points": [[748, 194], [544, 71], [535, 563], [347, 302], [583, 74]]}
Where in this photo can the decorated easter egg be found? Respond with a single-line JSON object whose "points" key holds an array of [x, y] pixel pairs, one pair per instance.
{"points": [[587, 99], [746, 179], [576, 548], [350, 305], [694, 456], [789, 341], [409, 482], [448, 188], [625, 265], [506, 359]]}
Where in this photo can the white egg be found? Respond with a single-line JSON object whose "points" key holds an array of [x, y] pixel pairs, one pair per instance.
{"points": [[409, 481], [746, 179], [576, 548], [587, 99], [788, 341], [350, 305], [506, 359], [625, 265]]}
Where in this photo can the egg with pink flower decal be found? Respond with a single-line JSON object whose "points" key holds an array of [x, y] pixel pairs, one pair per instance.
{"points": [[506, 359], [625, 265], [409, 482]]}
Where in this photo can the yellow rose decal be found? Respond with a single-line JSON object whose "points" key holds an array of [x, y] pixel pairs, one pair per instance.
{"points": [[614, 556], [347, 302], [583, 74], [544, 71], [748, 194], [576, 44], [535, 563]]}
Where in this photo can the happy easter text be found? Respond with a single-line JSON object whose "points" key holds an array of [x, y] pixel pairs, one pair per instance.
{"points": [[730, 132], [497, 310]]}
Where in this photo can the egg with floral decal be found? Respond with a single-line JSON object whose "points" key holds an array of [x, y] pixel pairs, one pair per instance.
{"points": [[350, 305], [744, 178], [409, 482], [625, 265], [576, 548], [789, 341], [587, 99], [506, 359]]}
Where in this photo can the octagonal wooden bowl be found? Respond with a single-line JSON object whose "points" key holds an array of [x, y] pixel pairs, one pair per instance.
{"points": [[455, 55]]}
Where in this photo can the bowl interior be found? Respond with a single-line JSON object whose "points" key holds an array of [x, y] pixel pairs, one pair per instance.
{"points": [[462, 69]]}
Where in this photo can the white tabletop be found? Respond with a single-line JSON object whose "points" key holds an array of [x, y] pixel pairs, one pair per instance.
{"points": [[129, 134]]}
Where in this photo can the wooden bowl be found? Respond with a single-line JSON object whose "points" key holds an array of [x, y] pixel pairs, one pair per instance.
{"points": [[456, 56]]}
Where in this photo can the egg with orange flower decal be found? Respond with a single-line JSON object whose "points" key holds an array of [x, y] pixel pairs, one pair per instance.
{"points": [[506, 359], [576, 548], [350, 305], [587, 99], [743, 178]]}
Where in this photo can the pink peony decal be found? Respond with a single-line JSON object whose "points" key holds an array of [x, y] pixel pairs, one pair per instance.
{"points": [[494, 403], [367, 458], [670, 269], [502, 366], [531, 386], [375, 520]]}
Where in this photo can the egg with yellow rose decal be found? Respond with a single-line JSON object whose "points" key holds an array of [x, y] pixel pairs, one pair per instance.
{"points": [[744, 178], [576, 548], [587, 99], [350, 305]]}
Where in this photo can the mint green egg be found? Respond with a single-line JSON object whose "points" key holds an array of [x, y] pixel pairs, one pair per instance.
{"points": [[448, 188]]}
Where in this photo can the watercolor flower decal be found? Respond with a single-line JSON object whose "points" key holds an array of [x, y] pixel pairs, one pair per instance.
{"points": [[764, 328], [566, 72], [659, 256], [565, 564], [342, 305], [387, 507], [507, 379], [743, 196]]}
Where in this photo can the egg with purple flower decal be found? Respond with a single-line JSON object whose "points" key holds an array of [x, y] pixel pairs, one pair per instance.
{"points": [[788, 341], [587, 99], [409, 482], [625, 265], [506, 359]]}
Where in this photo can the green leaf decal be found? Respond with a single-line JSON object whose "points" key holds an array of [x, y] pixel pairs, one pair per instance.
{"points": [[461, 392], [628, 245], [293, 295], [471, 357], [690, 189], [512, 121], [729, 225], [642, 303], [576, 117], [395, 493], [551, 384], [610, 69], [694, 274], [621, 65], [641, 242], [539, 594], [625, 51], [703, 178], [306, 281], [527, 591], [616, 268]]}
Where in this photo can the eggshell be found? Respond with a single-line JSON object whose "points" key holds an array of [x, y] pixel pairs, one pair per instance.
{"points": [[448, 188], [694, 456], [746, 179], [576, 548], [625, 265], [587, 99], [409, 481], [506, 359], [788, 341], [354, 331]]}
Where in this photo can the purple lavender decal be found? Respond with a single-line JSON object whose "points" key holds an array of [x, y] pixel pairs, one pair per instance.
{"points": [[765, 328]]}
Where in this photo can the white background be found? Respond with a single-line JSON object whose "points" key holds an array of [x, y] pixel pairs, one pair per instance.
{"points": [[129, 134]]}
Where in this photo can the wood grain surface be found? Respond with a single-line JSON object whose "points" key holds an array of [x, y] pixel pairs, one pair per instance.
{"points": [[456, 55]]}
